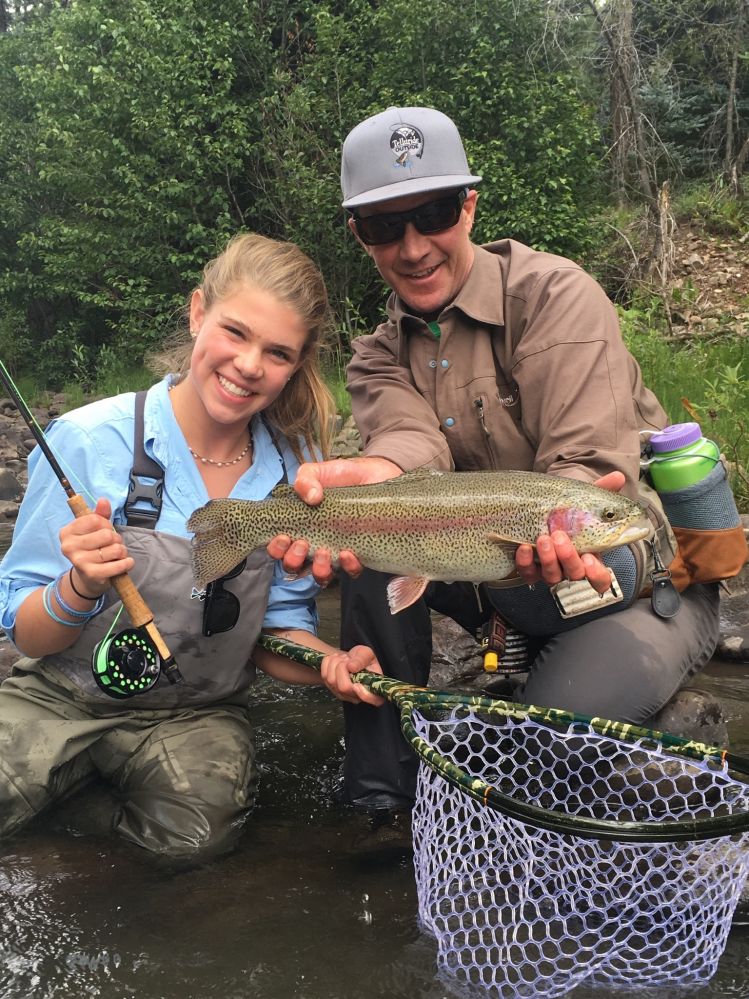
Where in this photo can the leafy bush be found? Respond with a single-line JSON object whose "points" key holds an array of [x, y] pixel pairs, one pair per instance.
{"points": [[698, 380]]}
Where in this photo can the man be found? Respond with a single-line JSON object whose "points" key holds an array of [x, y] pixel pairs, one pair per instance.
{"points": [[491, 357]]}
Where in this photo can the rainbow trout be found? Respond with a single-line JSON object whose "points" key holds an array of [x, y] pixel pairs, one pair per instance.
{"points": [[422, 525]]}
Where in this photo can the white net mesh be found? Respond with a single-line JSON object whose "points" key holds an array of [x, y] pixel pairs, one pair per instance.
{"points": [[519, 911]]}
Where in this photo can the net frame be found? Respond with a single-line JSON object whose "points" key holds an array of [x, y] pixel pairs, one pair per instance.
{"points": [[524, 912], [410, 699], [527, 901]]}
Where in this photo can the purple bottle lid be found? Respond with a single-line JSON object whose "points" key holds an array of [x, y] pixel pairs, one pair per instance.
{"points": [[676, 436]]}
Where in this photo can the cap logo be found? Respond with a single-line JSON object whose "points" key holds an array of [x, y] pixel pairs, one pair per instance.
{"points": [[406, 142]]}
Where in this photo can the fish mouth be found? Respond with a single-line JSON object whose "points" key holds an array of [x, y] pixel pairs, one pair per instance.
{"points": [[636, 532]]}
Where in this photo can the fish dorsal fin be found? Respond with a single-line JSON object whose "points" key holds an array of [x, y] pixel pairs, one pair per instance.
{"points": [[283, 491], [407, 479], [416, 472], [403, 591]]}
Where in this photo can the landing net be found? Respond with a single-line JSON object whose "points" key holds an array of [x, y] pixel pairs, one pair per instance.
{"points": [[521, 909]]}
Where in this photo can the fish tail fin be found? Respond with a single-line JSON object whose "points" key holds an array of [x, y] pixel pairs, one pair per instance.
{"points": [[212, 552]]}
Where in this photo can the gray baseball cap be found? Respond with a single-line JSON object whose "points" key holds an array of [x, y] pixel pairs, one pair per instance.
{"points": [[399, 152]]}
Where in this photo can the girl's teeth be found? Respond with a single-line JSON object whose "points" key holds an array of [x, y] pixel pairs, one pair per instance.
{"points": [[234, 389]]}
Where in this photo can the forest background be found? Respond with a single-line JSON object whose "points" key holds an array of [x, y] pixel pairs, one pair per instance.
{"points": [[136, 136]]}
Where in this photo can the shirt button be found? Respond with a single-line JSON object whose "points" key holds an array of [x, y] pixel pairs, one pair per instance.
{"points": [[449, 422], [433, 363], [445, 364]]}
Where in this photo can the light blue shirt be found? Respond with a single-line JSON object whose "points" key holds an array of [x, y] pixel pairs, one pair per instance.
{"points": [[94, 446]]}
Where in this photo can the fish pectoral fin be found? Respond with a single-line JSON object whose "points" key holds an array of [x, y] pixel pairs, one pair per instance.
{"points": [[403, 591], [507, 543]]}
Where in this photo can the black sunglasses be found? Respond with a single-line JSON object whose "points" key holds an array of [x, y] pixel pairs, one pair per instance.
{"points": [[434, 216], [220, 606]]}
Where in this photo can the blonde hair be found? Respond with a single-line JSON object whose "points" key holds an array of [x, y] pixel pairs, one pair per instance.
{"points": [[304, 410]]}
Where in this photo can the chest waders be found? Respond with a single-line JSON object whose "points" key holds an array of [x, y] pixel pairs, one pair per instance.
{"points": [[127, 663]]}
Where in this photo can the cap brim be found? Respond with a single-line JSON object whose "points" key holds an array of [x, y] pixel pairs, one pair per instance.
{"points": [[416, 185]]}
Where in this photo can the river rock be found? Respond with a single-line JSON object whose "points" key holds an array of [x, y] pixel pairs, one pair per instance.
{"points": [[8, 657], [734, 615], [10, 488], [347, 441], [457, 662]]}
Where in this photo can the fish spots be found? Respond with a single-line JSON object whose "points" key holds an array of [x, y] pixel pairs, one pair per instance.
{"points": [[447, 525]]}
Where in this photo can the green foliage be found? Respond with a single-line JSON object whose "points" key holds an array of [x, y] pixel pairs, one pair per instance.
{"points": [[98, 384], [15, 341], [137, 135], [688, 52], [132, 144], [335, 379], [703, 380], [714, 207], [525, 128]]}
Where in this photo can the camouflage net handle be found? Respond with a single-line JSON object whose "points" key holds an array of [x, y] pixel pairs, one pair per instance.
{"points": [[409, 698]]}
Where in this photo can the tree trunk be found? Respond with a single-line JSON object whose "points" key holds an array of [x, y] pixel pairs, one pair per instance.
{"points": [[731, 166], [628, 136]]}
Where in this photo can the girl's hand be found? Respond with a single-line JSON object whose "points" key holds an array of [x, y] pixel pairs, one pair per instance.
{"points": [[336, 673], [95, 550]]}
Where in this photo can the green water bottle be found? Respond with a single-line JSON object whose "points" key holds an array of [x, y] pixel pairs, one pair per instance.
{"points": [[681, 456]]}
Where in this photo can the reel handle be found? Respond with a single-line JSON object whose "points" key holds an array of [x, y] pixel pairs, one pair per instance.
{"points": [[137, 609]]}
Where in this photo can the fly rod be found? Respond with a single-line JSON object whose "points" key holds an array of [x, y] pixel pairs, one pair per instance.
{"points": [[138, 611]]}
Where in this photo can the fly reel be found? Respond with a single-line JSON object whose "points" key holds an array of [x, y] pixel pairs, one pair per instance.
{"points": [[126, 664]]}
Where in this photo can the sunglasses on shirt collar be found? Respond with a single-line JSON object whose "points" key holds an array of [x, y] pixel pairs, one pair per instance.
{"points": [[434, 216], [221, 606]]}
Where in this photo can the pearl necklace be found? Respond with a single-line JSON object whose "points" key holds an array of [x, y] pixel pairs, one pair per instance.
{"points": [[220, 464], [211, 461]]}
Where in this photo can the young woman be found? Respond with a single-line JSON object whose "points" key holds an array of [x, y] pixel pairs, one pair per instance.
{"points": [[237, 420]]}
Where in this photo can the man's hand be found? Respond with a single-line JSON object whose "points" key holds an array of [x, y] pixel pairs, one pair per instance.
{"points": [[557, 558], [311, 481]]}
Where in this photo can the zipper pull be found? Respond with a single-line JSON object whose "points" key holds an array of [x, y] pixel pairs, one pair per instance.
{"points": [[479, 404], [664, 599]]}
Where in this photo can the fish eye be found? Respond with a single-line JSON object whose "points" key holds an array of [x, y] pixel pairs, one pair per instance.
{"points": [[609, 514]]}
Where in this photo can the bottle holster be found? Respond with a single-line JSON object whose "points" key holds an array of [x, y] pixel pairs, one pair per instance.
{"points": [[708, 530]]}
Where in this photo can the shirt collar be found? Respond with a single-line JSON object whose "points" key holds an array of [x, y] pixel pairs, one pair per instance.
{"points": [[481, 298], [170, 448]]}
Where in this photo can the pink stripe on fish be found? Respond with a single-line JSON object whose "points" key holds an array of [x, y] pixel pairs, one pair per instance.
{"points": [[424, 525]]}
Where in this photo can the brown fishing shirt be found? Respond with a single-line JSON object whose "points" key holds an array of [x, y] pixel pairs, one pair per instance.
{"points": [[529, 371]]}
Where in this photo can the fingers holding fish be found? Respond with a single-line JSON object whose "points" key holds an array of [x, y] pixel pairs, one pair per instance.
{"points": [[307, 484], [558, 555], [556, 559], [337, 669], [350, 564], [613, 481], [313, 478], [295, 558], [293, 554], [597, 574]]}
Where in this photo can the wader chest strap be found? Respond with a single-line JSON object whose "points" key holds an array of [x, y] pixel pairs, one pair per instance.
{"points": [[146, 478]]}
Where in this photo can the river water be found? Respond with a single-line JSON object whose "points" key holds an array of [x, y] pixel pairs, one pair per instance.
{"points": [[296, 911]]}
